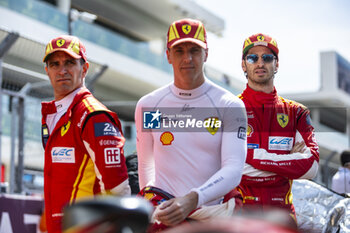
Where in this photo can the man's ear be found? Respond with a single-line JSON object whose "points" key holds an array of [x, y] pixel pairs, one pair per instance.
{"points": [[85, 68], [168, 56], [276, 67], [206, 54], [244, 68], [46, 70]]}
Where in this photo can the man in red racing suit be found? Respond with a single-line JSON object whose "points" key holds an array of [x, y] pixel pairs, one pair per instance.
{"points": [[281, 142], [82, 139]]}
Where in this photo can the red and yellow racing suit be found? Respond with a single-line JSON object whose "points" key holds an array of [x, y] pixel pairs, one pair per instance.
{"points": [[274, 126], [83, 155]]}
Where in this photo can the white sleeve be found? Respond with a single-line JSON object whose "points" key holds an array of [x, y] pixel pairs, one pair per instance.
{"points": [[233, 155], [123, 189], [144, 146]]}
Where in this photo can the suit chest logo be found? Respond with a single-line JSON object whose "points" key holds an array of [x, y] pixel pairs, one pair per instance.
{"points": [[213, 126], [282, 119], [65, 128], [63, 155], [166, 138]]}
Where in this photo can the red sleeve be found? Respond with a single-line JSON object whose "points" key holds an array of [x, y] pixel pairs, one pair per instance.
{"points": [[296, 165], [104, 141]]}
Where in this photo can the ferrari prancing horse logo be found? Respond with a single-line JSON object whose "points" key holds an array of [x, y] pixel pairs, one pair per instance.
{"points": [[186, 28], [60, 42], [65, 128], [282, 119], [212, 129]]}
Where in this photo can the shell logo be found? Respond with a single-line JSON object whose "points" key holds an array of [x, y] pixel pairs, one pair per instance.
{"points": [[250, 130], [166, 138]]}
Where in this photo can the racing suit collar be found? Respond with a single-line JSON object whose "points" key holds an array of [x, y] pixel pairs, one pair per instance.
{"points": [[190, 94], [50, 107], [260, 97]]}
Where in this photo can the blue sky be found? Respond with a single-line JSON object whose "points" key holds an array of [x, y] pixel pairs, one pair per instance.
{"points": [[302, 28]]}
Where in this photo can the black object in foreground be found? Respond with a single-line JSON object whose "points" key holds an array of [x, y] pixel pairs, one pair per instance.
{"points": [[108, 215]]}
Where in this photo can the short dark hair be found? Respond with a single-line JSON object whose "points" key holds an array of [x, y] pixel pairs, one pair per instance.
{"points": [[345, 157]]}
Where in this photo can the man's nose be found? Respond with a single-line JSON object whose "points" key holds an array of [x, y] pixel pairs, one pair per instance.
{"points": [[187, 56], [62, 69], [260, 62]]}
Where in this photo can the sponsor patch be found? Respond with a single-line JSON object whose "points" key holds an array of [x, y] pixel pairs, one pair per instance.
{"points": [[82, 119], [112, 155], [63, 155], [166, 138], [251, 198], [108, 142], [106, 129], [65, 128], [250, 130], [186, 107], [280, 143], [186, 28], [250, 115], [242, 133], [151, 119], [212, 125], [44, 134], [282, 119], [252, 146], [185, 94], [277, 199]]}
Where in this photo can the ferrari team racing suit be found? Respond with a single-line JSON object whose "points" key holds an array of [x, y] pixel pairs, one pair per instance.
{"points": [[275, 124], [84, 154]]}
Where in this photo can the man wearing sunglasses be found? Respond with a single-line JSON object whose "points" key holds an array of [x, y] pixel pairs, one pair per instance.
{"points": [[281, 142]]}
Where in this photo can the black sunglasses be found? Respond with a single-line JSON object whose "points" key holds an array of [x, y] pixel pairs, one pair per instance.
{"points": [[253, 58]]}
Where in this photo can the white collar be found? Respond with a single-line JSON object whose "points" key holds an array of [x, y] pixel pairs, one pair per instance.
{"points": [[190, 94]]}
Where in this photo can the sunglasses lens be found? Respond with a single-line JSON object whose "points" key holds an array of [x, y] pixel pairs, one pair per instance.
{"points": [[252, 58], [268, 58]]}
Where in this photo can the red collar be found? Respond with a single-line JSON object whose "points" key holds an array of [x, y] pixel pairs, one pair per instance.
{"points": [[50, 107], [260, 97]]}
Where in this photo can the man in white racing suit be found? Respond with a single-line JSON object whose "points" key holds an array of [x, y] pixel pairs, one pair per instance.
{"points": [[191, 134]]}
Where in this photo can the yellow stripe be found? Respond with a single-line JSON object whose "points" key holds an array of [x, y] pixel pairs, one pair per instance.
{"points": [[94, 105], [88, 105], [247, 42], [241, 192], [198, 30], [86, 186], [75, 186], [289, 195], [49, 48], [175, 30], [71, 44]]}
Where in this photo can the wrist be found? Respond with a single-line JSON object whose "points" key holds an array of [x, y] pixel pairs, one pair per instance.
{"points": [[193, 199]]}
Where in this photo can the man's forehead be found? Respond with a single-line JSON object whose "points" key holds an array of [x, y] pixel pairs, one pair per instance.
{"points": [[60, 55]]}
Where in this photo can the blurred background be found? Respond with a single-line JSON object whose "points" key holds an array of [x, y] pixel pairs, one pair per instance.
{"points": [[125, 41]]}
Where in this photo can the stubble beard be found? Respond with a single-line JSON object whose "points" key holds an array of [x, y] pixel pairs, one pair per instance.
{"points": [[262, 81]]}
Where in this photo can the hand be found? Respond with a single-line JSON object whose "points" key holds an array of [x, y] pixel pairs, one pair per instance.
{"points": [[174, 211], [298, 147]]}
